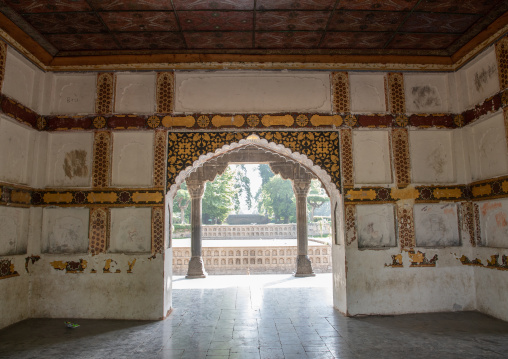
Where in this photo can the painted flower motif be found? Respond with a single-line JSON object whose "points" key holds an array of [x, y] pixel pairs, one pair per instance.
{"points": [[124, 197], [153, 121], [401, 120], [253, 120], [99, 122], [350, 120], [41, 123], [458, 120], [79, 197], [302, 120], [203, 121]]}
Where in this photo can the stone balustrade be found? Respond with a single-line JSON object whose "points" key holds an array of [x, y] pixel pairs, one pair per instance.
{"points": [[264, 231], [243, 260]]}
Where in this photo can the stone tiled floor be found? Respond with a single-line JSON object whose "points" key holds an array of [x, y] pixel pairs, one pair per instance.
{"points": [[270, 316]]}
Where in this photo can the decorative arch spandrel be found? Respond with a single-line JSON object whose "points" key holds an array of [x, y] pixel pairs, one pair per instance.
{"points": [[322, 148]]}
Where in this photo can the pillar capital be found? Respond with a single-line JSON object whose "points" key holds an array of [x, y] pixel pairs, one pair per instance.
{"points": [[196, 188], [301, 186]]}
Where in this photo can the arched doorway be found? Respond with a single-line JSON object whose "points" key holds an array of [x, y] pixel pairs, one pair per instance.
{"points": [[314, 153]]}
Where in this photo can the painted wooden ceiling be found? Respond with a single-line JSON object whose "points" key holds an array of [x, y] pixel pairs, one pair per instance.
{"points": [[322, 27]]}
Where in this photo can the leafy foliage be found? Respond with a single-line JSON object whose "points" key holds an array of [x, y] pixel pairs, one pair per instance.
{"points": [[242, 186], [182, 203], [218, 200], [316, 197], [277, 200]]}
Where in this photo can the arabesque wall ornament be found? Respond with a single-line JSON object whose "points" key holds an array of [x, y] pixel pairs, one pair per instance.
{"points": [[322, 148]]}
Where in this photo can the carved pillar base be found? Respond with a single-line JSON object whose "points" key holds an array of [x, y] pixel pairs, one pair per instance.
{"points": [[304, 267], [196, 268]]}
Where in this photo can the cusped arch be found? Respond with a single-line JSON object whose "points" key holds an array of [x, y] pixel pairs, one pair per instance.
{"points": [[315, 151]]}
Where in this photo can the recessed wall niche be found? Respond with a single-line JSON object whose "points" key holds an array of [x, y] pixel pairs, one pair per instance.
{"points": [[376, 226], [13, 230], [436, 225], [131, 230], [494, 223], [65, 230]]}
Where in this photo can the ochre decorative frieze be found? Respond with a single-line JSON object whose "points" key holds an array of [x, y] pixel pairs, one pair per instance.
{"points": [[502, 62], [15, 196], [99, 230], [157, 230], [7, 269], [400, 147], [467, 221], [184, 148], [104, 103], [165, 92], [159, 161], [101, 167], [406, 227], [396, 261], [3, 60], [340, 83], [112, 197], [492, 263], [350, 216], [396, 94], [18, 112], [424, 194], [489, 189], [418, 259], [70, 266], [346, 150]]}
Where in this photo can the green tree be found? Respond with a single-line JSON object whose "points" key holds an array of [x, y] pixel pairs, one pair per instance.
{"points": [[265, 172], [277, 200], [181, 203], [316, 197], [218, 199], [242, 186]]}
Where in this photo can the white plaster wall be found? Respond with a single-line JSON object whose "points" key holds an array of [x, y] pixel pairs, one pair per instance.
{"points": [[457, 93], [69, 159], [247, 92], [480, 77], [367, 92], [426, 92], [371, 156], [491, 284], [376, 289], [73, 93], [131, 230], [376, 226], [16, 146], [132, 158], [339, 264], [14, 294], [113, 295], [494, 222], [486, 143], [23, 81], [436, 225], [135, 92], [461, 155], [13, 230], [65, 230], [432, 156], [39, 160]]}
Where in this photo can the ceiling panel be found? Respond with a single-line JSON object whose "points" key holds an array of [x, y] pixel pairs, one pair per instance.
{"points": [[410, 27]]}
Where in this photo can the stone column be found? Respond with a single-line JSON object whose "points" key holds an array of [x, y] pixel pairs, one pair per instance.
{"points": [[196, 268], [303, 264]]}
